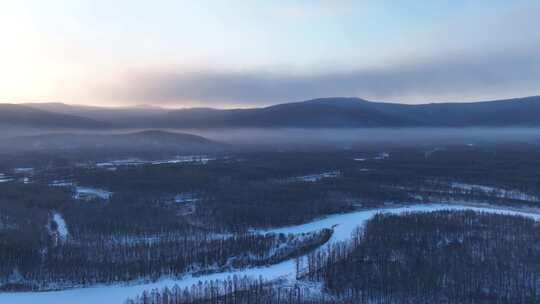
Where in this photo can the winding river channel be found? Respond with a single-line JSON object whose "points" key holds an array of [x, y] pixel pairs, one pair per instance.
{"points": [[343, 225]]}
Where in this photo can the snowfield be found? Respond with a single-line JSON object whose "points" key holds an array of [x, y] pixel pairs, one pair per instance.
{"points": [[343, 225]]}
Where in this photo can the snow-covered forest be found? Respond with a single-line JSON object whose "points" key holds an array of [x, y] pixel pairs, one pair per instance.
{"points": [[280, 223]]}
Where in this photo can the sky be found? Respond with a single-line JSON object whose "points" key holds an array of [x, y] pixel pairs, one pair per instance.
{"points": [[237, 53]]}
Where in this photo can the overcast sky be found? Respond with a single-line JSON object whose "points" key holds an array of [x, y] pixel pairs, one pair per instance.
{"points": [[251, 53]]}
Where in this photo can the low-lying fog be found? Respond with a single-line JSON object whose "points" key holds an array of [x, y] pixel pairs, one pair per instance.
{"points": [[370, 135], [340, 138]]}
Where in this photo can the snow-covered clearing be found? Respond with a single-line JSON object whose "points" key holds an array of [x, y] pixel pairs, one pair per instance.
{"points": [[61, 183], [184, 198], [60, 233], [5, 178], [28, 170], [61, 224], [201, 159], [344, 225], [185, 159], [82, 193], [315, 177], [382, 156], [87, 193]]}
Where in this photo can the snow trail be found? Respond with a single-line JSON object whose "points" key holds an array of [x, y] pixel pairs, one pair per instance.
{"points": [[61, 224]]}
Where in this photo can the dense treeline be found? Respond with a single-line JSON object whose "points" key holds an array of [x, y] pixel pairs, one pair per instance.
{"points": [[450, 257], [126, 214], [238, 191], [243, 191], [235, 290], [502, 166], [255, 189], [437, 257], [234, 193], [117, 258], [25, 223], [127, 238]]}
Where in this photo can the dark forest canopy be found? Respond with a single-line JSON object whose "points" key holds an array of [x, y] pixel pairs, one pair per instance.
{"points": [[438, 257]]}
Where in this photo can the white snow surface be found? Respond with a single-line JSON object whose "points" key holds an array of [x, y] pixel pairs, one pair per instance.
{"points": [[382, 156], [62, 183], [202, 159], [5, 178], [23, 170], [316, 177], [184, 198], [61, 223], [344, 225], [80, 192]]}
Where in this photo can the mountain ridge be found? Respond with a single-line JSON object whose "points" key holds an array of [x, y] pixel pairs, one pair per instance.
{"points": [[24, 116], [331, 112], [146, 140]]}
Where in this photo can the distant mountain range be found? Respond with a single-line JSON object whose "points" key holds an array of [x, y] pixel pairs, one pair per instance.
{"points": [[318, 113], [145, 140], [14, 115]]}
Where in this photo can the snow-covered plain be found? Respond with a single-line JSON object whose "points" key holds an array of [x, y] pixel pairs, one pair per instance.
{"points": [[344, 225]]}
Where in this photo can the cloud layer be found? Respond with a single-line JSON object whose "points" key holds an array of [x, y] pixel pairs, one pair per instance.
{"points": [[232, 53], [485, 54], [495, 74]]}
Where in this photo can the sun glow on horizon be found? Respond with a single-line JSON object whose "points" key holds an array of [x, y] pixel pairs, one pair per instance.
{"points": [[214, 54]]}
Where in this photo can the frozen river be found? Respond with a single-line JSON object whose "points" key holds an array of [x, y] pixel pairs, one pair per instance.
{"points": [[344, 225]]}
